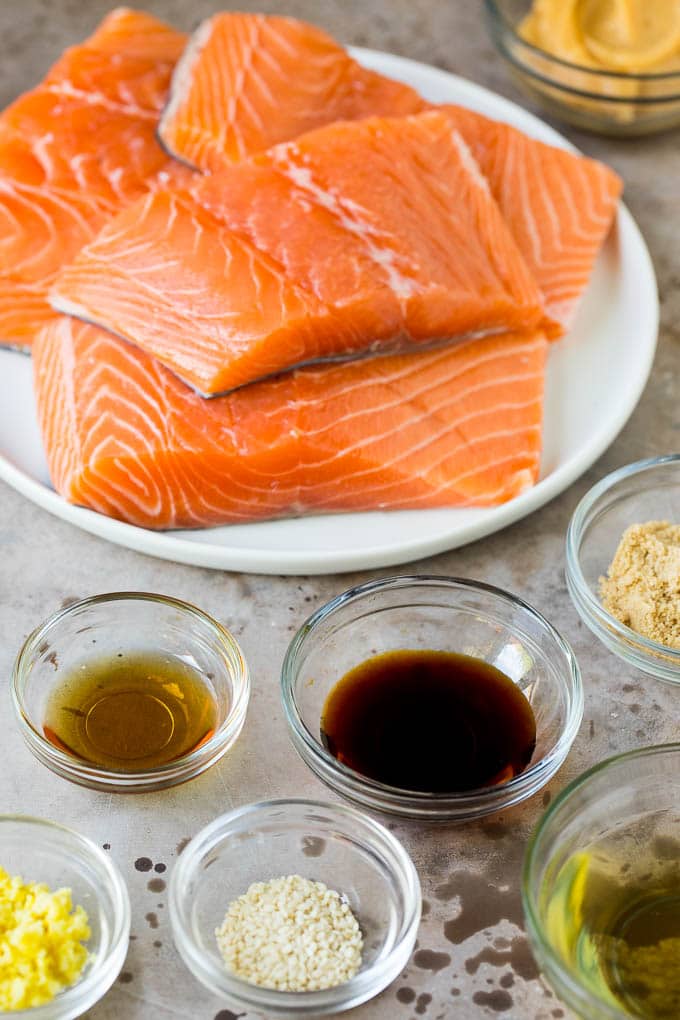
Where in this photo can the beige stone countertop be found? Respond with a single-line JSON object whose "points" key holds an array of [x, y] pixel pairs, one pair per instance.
{"points": [[472, 960]]}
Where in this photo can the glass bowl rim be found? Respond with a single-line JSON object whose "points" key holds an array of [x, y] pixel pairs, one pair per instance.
{"points": [[499, 16], [366, 983], [88, 990], [222, 735], [575, 575], [395, 793], [582, 996]]}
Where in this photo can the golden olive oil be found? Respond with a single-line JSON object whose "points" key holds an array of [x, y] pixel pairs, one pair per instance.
{"points": [[614, 918], [131, 712]]}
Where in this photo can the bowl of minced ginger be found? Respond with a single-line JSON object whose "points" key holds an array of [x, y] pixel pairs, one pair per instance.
{"points": [[64, 919], [42, 942], [611, 66], [623, 564]]}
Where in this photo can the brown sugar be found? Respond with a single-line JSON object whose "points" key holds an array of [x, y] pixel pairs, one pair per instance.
{"points": [[642, 587]]}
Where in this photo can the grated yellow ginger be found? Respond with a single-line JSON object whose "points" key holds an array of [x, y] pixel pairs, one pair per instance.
{"points": [[41, 942]]}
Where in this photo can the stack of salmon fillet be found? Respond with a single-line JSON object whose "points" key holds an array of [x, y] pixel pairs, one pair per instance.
{"points": [[258, 279]]}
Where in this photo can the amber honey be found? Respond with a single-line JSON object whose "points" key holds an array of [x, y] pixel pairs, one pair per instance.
{"points": [[131, 712]]}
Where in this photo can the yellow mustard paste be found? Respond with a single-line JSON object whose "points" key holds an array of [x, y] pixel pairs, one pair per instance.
{"points": [[631, 36], [618, 37], [41, 942]]}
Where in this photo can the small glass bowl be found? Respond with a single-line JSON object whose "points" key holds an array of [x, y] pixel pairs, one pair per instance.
{"points": [[607, 102], [648, 490], [127, 622], [42, 851], [627, 802], [330, 843], [444, 614]]}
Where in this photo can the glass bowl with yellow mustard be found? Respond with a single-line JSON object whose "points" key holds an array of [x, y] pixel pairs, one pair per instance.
{"points": [[64, 920], [623, 564], [609, 66]]}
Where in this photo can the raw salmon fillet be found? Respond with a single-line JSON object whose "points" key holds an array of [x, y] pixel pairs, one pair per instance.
{"points": [[127, 61], [134, 33], [559, 206], [73, 152], [359, 237], [455, 426], [249, 81]]}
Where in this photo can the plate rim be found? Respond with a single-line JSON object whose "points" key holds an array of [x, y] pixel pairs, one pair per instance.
{"points": [[170, 545]]}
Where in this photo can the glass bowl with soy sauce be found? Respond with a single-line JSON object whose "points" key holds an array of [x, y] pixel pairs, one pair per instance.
{"points": [[130, 692], [431, 697], [601, 888]]}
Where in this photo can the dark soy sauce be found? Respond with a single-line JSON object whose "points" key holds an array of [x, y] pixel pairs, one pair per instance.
{"points": [[429, 721]]}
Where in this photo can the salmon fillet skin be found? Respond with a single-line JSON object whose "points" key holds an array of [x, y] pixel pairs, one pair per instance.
{"points": [[249, 81], [362, 236], [73, 152], [457, 426]]}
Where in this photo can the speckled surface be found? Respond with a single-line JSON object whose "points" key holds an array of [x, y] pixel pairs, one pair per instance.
{"points": [[472, 959]]}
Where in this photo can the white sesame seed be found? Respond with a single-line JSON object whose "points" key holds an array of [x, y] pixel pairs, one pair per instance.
{"points": [[291, 934]]}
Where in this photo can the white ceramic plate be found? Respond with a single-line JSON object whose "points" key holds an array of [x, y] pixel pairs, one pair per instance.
{"points": [[595, 378]]}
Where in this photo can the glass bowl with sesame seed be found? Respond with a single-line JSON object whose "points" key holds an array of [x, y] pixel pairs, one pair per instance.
{"points": [[239, 859]]}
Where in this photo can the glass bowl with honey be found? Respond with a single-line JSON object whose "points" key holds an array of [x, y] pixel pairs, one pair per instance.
{"points": [[601, 888], [431, 697], [130, 691]]}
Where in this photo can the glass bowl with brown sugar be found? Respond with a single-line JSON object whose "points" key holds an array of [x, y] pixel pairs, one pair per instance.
{"points": [[622, 556]]}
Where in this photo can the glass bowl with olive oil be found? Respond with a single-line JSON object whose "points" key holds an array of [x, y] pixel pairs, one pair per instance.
{"points": [[431, 697], [130, 691], [601, 888]]}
